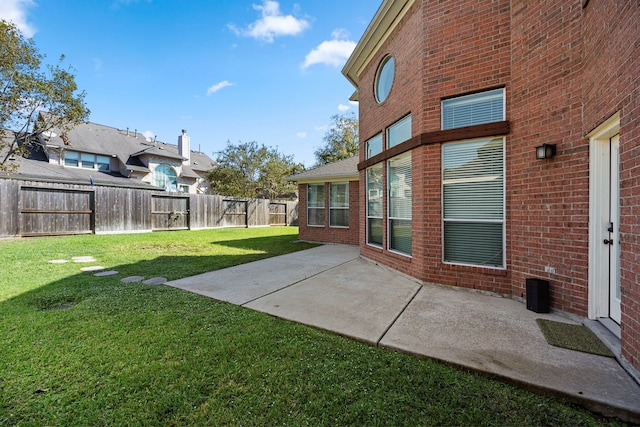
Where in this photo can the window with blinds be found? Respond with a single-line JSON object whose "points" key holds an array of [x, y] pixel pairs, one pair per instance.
{"points": [[473, 202], [399, 207], [399, 132], [476, 109], [374, 205], [339, 204], [374, 145], [315, 204]]}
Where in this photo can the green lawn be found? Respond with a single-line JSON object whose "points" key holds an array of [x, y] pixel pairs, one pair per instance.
{"points": [[130, 354]]}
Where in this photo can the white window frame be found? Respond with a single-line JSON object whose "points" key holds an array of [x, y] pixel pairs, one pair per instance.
{"points": [[323, 207], [477, 221], [399, 125], [376, 138], [378, 194], [336, 208], [168, 186], [389, 207], [470, 100], [82, 164]]}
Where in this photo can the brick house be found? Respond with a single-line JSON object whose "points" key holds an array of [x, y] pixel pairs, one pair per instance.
{"points": [[328, 202], [499, 141]]}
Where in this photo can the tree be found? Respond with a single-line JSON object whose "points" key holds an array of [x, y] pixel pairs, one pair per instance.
{"points": [[27, 90], [250, 170], [341, 141]]}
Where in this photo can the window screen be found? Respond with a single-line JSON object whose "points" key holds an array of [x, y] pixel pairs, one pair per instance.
{"points": [[374, 205], [374, 145], [399, 190], [476, 109], [315, 204], [399, 132], [339, 204], [473, 202]]}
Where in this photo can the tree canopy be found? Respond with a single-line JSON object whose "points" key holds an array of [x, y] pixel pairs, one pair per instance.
{"points": [[252, 170], [341, 140], [28, 88]]}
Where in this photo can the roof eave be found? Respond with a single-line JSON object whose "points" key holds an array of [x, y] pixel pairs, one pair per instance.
{"points": [[388, 16], [320, 179]]}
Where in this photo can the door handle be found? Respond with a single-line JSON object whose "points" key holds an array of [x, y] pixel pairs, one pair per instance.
{"points": [[608, 241]]}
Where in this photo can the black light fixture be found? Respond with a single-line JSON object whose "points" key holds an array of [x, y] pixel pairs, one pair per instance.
{"points": [[545, 151]]}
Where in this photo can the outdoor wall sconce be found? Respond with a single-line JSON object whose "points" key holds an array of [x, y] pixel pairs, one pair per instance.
{"points": [[545, 151]]}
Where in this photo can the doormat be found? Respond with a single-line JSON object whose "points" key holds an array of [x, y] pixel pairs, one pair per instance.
{"points": [[573, 337]]}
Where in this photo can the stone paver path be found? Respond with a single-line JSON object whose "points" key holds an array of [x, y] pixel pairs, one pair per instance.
{"points": [[155, 281], [132, 279], [92, 268], [83, 259], [106, 273]]}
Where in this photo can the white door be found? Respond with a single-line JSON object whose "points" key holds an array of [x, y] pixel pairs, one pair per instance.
{"points": [[613, 230]]}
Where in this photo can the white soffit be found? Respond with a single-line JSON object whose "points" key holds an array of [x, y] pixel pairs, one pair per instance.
{"points": [[384, 22]]}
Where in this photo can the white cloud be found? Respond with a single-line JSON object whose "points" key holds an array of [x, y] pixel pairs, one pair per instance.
{"points": [[333, 52], [149, 135], [218, 86], [342, 107], [16, 12], [272, 23], [301, 135], [321, 128]]}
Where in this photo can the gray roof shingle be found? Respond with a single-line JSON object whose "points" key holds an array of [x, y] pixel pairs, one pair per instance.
{"points": [[342, 169]]}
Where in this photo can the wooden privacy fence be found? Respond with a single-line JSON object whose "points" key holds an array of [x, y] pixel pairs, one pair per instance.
{"points": [[29, 208]]}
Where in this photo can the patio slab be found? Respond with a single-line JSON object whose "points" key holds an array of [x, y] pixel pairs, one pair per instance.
{"points": [[244, 283], [332, 288], [498, 336], [347, 299]]}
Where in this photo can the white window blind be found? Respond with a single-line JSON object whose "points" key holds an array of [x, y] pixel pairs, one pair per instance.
{"points": [[400, 205], [339, 204], [476, 109], [315, 204], [374, 205], [473, 202], [399, 132]]}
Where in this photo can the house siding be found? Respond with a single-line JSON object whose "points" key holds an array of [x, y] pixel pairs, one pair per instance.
{"points": [[550, 57]]}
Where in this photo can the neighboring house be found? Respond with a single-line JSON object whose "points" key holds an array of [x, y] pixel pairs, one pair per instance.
{"points": [[110, 156], [328, 202], [499, 141]]}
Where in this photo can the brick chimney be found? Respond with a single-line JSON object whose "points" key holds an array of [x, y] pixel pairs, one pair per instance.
{"points": [[184, 147]]}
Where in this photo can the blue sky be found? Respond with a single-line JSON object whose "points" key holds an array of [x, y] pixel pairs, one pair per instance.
{"points": [[239, 71]]}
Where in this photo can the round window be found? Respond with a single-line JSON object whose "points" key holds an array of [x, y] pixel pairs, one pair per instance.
{"points": [[384, 79]]}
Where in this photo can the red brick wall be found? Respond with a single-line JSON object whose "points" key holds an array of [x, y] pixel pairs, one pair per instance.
{"points": [[548, 200], [326, 234], [566, 69], [611, 83], [441, 49]]}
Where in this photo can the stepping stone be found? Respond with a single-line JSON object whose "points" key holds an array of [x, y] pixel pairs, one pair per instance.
{"points": [[92, 268], [106, 273], [58, 261], [155, 281], [132, 279], [83, 259]]}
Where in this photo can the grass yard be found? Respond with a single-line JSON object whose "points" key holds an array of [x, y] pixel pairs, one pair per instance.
{"points": [[130, 354]]}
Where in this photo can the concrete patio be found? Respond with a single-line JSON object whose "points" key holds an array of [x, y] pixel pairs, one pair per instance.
{"points": [[331, 287]]}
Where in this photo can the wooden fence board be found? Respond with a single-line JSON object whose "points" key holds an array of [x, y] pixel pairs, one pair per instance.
{"points": [[55, 211], [31, 208]]}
